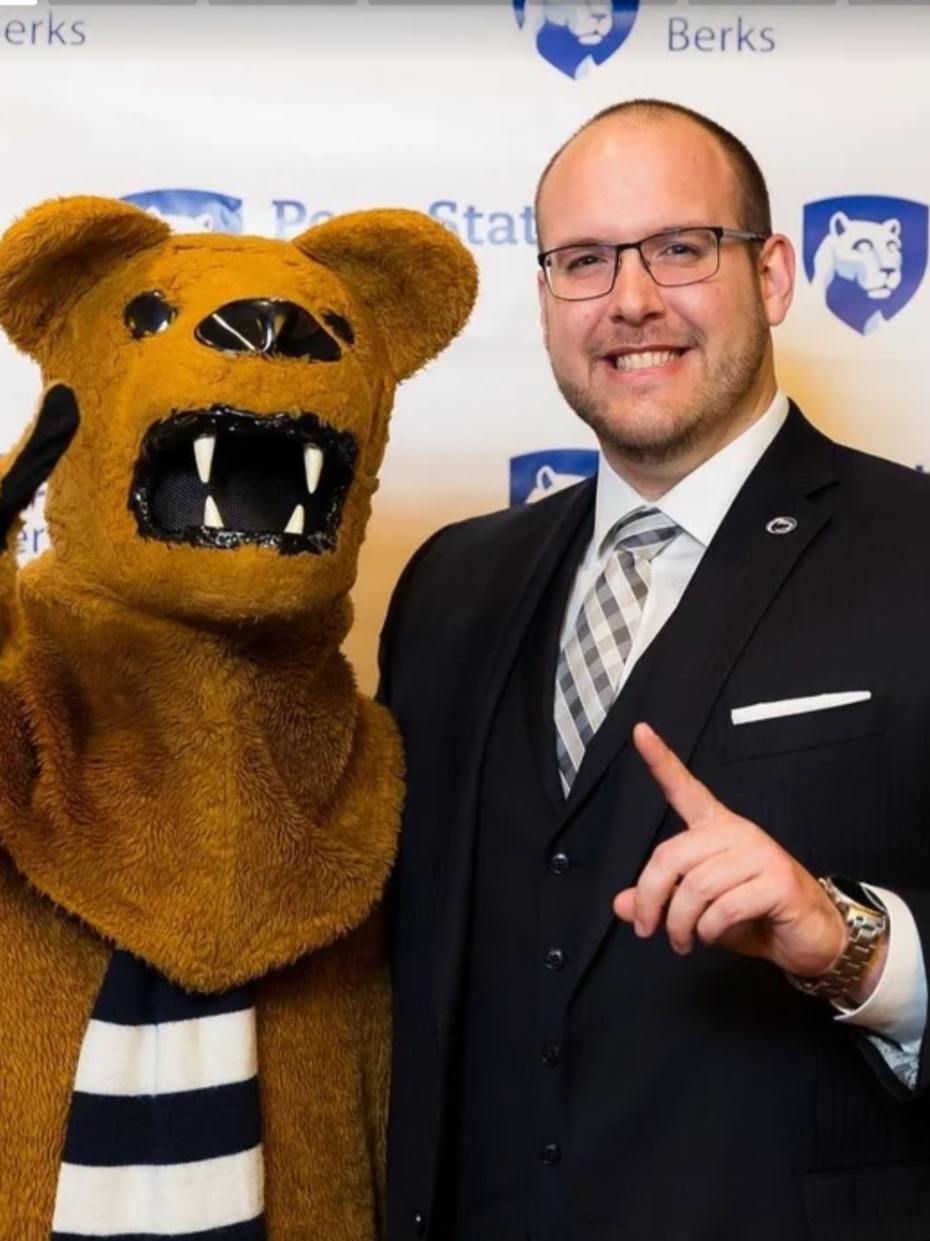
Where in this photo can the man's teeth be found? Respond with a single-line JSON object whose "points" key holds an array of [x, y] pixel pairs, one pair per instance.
{"points": [[639, 361], [211, 515], [313, 461], [203, 451], [296, 524]]}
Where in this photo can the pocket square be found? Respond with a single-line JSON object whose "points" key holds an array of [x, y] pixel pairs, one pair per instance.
{"points": [[797, 706]]}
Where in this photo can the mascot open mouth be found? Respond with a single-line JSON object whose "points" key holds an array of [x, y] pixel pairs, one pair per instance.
{"points": [[224, 478]]}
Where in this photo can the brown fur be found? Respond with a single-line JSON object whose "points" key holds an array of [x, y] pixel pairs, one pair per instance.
{"points": [[188, 771]]}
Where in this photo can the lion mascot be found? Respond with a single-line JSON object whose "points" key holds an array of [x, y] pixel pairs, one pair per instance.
{"points": [[198, 810]]}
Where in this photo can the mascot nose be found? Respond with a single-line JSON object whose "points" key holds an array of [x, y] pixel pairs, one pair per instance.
{"points": [[270, 327]]}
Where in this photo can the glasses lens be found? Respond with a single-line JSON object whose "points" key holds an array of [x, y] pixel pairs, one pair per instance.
{"points": [[682, 257], [581, 271]]}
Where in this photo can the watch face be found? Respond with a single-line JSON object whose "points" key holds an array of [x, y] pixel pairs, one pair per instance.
{"points": [[855, 893]]}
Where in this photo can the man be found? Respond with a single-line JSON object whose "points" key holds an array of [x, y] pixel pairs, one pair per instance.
{"points": [[601, 954]]}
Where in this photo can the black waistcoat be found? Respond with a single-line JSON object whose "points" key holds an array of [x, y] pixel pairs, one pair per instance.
{"points": [[534, 871]]}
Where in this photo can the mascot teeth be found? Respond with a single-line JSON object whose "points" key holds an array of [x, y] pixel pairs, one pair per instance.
{"points": [[203, 451], [313, 460], [296, 524], [211, 515], [222, 477]]}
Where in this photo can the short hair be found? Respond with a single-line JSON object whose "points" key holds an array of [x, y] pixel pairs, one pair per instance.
{"points": [[752, 192]]}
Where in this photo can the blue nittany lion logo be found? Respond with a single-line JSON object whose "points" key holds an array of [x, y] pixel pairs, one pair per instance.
{"points": [[535, 475], [576, 35], [867, 255], [192, 211]]}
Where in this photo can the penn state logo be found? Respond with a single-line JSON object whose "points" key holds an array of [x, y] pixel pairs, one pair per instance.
{"points": [[192, 211], [577, 35], [866, 255], [535, 475]]}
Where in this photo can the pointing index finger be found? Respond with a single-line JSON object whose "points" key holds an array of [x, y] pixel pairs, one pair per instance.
{"points": [[687, 796]]}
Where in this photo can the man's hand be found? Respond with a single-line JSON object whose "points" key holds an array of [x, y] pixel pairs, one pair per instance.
{"points": [[725, 881]]}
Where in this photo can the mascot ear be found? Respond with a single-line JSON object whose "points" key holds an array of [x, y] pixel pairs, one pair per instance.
{"points": [[55, 253], [417, 280]]}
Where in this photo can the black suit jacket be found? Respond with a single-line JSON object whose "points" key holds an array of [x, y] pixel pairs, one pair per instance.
{"points": [[707, 1100]]}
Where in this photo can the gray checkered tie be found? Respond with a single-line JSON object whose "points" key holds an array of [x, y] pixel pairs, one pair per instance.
{"points": [[592, 659]]}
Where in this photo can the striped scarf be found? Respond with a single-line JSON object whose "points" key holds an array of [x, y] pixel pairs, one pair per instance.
{"points": [[164, 1135]]}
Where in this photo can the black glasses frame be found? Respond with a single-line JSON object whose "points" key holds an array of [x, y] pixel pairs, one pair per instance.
{"points": [[734, 234]]}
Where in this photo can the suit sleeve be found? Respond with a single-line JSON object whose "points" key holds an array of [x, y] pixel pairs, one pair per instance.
{"points": [[392, 629], [391, 633]]}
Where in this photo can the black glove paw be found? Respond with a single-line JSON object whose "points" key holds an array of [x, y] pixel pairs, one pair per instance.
{"points": [[54, 430]]}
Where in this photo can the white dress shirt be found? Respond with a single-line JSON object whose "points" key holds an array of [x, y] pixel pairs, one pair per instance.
{"points": [[897, 1009]]}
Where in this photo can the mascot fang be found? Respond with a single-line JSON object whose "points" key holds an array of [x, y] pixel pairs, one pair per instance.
{"points": [[198, 811]]}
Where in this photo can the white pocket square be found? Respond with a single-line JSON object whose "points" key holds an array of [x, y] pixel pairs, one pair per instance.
{"points": [[797, 706]]}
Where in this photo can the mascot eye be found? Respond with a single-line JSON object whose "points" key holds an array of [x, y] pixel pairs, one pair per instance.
{"points": [[148, 314]]}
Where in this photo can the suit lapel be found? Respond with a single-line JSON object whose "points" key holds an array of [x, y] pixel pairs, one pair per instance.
{"points": [[678, 682], [525, 568]]}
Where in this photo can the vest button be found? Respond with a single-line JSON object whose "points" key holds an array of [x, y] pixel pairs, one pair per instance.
{"points": [[419, 1224], [559, 863], [555, 959], [551, 1055], [550, 1154]]}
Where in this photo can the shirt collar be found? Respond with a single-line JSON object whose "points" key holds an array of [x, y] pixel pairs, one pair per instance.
{"points": [[700, 501]]}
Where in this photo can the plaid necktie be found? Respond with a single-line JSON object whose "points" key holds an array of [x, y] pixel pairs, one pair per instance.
{"points": [[596, 648]]}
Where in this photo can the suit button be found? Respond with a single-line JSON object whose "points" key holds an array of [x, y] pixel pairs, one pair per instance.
{"points": [[555, 959], [419, 1224], [559, 863], [550, 1154], [551, 1055]]}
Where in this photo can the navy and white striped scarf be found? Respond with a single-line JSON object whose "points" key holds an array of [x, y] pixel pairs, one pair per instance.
{"points": [[164, 1136]]}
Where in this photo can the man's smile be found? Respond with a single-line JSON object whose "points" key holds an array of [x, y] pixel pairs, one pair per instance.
{"points": [[643, 359], [643, 362]]}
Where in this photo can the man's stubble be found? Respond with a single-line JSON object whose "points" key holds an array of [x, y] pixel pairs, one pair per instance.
{"points": [[656, 441]]}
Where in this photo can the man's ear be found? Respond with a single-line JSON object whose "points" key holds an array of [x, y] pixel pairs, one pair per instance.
{"points": [[417, 280], [56, 251]]}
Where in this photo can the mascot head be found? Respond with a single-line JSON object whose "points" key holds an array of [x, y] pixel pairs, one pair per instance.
{"points": [[234, 394]]}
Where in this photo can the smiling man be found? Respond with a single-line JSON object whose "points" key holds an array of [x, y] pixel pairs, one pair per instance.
{"points": [[646, 991], [662, 280]]}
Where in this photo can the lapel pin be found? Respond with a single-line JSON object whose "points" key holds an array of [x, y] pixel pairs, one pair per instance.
{"points": [[781, 525]]}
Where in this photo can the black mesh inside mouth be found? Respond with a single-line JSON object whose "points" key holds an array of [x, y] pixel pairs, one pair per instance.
{"points": [[177, 496], [257, 481]]}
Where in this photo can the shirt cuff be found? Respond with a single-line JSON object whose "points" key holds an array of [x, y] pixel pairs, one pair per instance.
{"points": [[897, 1008]]}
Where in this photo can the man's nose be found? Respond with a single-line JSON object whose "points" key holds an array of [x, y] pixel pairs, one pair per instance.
{"points": [[635, 295], [270, 327]]}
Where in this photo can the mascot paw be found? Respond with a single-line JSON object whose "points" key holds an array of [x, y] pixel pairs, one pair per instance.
{"points": [[52, 432]]}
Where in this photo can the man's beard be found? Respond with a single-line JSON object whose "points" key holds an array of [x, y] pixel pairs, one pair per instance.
{"points": [[654, 442]]}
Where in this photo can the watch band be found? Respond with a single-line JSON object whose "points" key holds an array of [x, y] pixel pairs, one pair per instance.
{"points": [[865, 929]]}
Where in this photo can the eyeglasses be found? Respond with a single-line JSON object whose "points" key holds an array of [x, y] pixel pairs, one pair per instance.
{"points": [[679, 256]]}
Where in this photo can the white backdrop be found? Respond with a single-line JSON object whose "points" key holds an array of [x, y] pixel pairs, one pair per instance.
{"points": [[280, 114]]}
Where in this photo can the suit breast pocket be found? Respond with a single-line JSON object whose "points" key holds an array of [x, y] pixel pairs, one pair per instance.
{"points": [[818, 783], [787, 733]]}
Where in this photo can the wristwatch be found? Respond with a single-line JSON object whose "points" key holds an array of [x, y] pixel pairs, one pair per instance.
{"points": [[865, 929]]}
